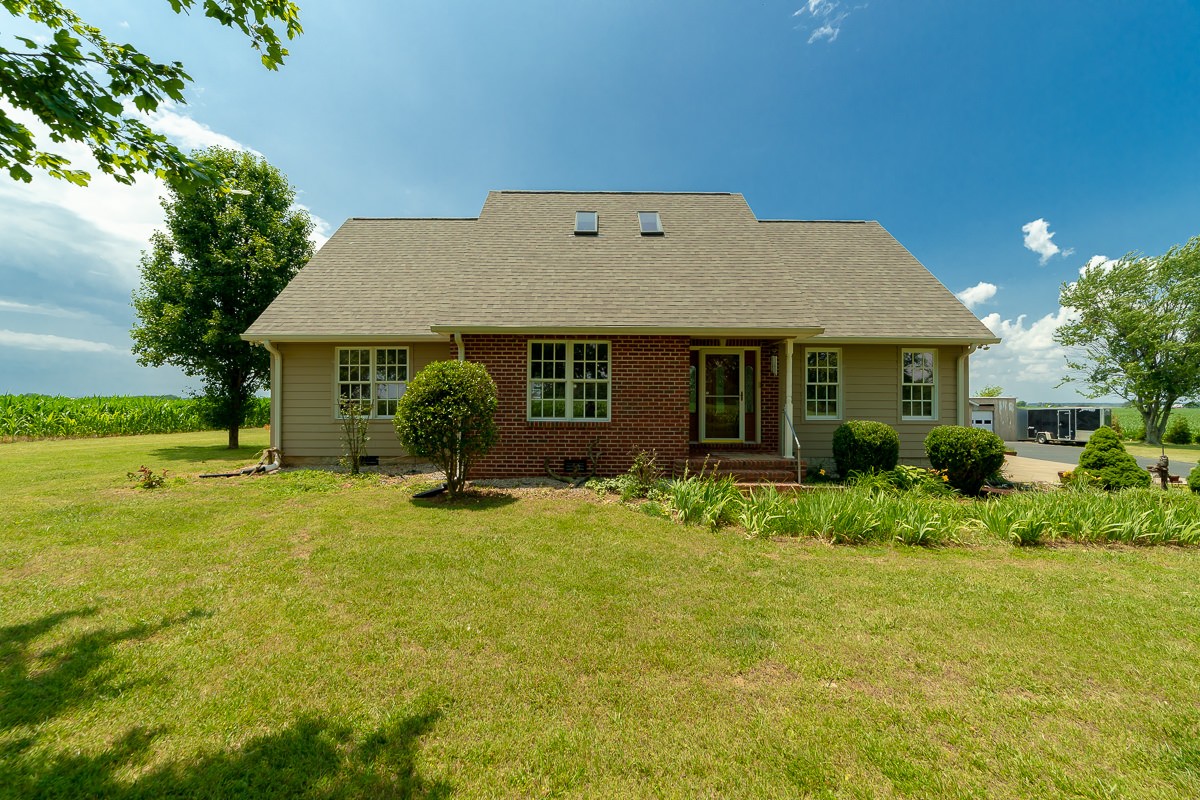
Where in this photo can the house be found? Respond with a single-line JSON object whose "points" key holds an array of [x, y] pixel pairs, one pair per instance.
{"points": [[622, 321]]}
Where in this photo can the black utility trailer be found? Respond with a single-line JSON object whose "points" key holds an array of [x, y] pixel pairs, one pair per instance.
{"points": [[1065, 425]]}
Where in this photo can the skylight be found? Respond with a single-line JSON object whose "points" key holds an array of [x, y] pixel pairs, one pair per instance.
{"points": [[650, 223], [587, 223]]}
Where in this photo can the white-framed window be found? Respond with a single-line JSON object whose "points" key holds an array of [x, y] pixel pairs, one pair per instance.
{"points": [[375, 375], [823, 384], [569, 380], [918, 384]]}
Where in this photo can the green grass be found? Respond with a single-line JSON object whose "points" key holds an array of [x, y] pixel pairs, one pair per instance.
{"points": [[308, 635], [1189, 453]]}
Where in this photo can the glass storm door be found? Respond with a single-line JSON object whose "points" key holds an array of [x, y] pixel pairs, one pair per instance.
{"points": [[722, 380]]}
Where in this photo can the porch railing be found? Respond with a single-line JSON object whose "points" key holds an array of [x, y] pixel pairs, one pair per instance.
{"points": [[795, 447]]}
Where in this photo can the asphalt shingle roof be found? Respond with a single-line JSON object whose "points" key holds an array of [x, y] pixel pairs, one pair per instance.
{"points": [[520, 266]]}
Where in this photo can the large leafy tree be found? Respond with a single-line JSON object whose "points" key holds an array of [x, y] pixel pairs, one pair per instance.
{"points": [[1137, 331], [222, 259], [85, 88]]}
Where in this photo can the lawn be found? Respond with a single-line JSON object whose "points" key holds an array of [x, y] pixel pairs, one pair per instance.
{"points": [[305, 635]]}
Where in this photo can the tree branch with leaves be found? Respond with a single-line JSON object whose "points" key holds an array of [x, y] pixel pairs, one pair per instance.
{"points": [[85, 88]]}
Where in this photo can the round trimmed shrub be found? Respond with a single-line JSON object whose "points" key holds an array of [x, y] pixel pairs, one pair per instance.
{"points": [[447, 414], [968, 455], [1194, 479], [1178, 432], [861, 445], [1104, 459]]}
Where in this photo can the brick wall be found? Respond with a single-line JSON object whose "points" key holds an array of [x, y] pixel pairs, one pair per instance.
{"points": [[649, 390]]}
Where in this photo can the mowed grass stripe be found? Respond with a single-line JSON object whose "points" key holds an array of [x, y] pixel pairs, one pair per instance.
{"points": [[307, 635]]}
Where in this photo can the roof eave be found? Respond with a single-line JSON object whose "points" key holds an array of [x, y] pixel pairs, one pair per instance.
{"points": [[757, 332], [380, 336]]}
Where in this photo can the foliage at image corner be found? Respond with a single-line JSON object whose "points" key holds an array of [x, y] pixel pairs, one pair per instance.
{"points": [[1194, 479], [78, 85], [220, 261], [969, 456], [1105, 463], [447, 415], [861, 445]]}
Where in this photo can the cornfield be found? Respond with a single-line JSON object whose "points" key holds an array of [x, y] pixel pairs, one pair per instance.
{"points": [[36, 416]]}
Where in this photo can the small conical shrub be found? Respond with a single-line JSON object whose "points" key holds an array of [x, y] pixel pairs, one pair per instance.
{"points": [[1106, 461], [1194, 479]]}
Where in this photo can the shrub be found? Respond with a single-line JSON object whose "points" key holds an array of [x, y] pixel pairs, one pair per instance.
{"points": [[1105, 460], [644, 475], [1194, 479], [447, 415], [1115, 424], [355, 414], [865, 446], [1178, 432], [969, 456]]}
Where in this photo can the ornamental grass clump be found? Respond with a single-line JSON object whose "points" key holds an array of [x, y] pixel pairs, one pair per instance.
{"points": [[861, 445], [969, 456], [1105, 461]]}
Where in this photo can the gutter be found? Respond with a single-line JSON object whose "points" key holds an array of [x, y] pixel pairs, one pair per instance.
{"points": [[964, 394], [276, 395], [457, 337]]}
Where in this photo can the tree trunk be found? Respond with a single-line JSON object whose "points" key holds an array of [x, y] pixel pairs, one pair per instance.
{"points": [[233, 436]]}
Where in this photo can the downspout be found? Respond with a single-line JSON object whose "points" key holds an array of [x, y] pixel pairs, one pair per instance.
{"points": [[964, 376], [788, 446], [461, 347], [276, 395]]}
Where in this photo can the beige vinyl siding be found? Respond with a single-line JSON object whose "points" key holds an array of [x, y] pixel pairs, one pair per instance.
{"points": [[871, 390], [310, 430]]}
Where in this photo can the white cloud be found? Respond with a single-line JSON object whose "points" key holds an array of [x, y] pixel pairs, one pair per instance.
{"points": [[1028, 363], [188, 133], [826, 15], [1040, 240], [39, 309], [977, 295], [49, 341]]}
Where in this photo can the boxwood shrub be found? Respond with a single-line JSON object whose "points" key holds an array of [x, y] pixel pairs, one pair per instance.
{"points": [[861, 445], [1194, 479], [968, 455], [1104, 459]]}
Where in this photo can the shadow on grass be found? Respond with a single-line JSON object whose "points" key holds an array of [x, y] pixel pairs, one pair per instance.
{"points": [[207, 452], [37, 685], [467, 501], [312, 758]]}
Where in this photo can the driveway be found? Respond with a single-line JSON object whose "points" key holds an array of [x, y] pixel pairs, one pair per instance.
{"points": [[1069, 454]]}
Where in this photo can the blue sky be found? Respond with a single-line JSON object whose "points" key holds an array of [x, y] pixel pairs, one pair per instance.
{"points": [[1005, 144]]}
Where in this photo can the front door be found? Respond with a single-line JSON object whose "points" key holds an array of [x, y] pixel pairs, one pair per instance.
{"points": [[722, 397]]}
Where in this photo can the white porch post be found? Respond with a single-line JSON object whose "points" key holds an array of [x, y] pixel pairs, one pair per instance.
{"points": [[789, 450]]}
